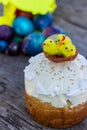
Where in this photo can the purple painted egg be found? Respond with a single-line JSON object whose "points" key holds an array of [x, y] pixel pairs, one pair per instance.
{"points": [[32, 44], [52, 30], [6, 32]]}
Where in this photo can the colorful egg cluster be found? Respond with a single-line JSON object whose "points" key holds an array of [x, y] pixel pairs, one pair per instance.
{"points": [[27, 33]]}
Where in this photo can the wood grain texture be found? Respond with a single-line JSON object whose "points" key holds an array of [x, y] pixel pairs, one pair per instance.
{"points": [[72, 17]]}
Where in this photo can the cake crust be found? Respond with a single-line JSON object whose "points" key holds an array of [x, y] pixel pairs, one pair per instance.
{"points": [[48, 115]]}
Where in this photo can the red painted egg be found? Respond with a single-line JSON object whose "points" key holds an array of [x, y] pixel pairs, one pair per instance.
{"points": [[23, 13]]}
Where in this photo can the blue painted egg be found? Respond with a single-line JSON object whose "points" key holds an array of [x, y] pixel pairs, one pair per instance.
{"points": [[43, 21], [23, 26], [3, 45], [52, 30], [6, 32], [32, 44]]}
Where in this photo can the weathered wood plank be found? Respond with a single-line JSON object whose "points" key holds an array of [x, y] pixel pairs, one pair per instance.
{"points": [[70, 15], [15, 118]]}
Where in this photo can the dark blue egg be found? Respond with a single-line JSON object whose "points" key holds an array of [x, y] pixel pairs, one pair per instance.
{"points": [[14, 46], [3, 45], [23, 26], [13, 49], [52, 30], [6, 32], [32, 44], [43, 21]]}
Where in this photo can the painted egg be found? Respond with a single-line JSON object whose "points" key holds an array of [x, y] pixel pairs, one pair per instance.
{"points": [[17, 39], [52, 30], [43, 21], [61, 30], [23, 26], [23, 13], [14, 46], [32, 44], [6, 32], [13, 49], [3, 45]]}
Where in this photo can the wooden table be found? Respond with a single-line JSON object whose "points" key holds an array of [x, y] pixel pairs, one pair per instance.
{"points": [[72, 17]]}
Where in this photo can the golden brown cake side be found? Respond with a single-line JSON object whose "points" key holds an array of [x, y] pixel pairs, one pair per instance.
{"points": [[48, 115]]}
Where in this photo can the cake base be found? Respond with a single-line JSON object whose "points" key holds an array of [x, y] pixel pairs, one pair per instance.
{"points": [[48, 115]]}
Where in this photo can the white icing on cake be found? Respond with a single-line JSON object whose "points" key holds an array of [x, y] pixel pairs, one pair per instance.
{"points": [[57, 83]]}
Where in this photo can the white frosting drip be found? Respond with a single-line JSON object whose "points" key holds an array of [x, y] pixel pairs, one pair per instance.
{"points": [[57, 83]]}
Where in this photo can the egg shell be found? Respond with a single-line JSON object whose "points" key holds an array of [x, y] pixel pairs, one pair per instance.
{"points": [[32, 44], [23, 13], [17, 39], [23, 26], [13, 49], [51, 30], [3, 45], [43, 21], [6, 32]]}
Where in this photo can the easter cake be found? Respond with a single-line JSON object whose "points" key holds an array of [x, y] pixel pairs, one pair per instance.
{"points": [[56, 92]]}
